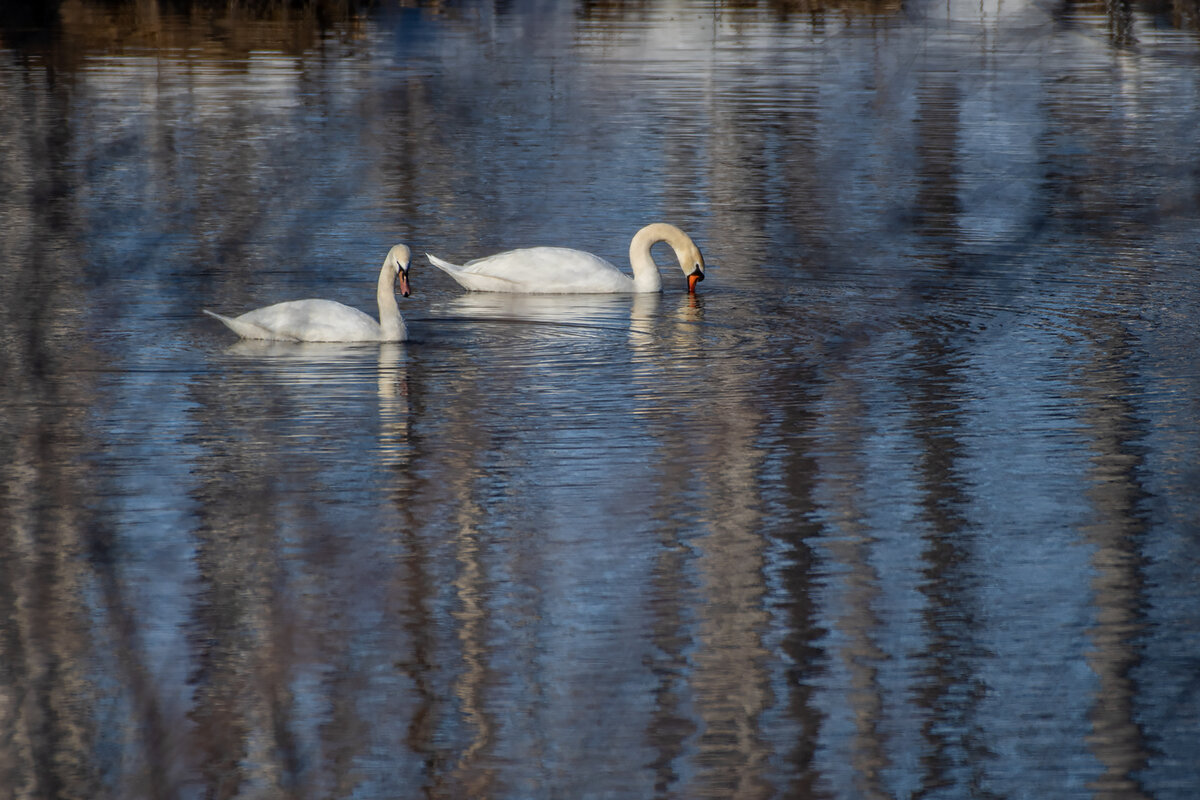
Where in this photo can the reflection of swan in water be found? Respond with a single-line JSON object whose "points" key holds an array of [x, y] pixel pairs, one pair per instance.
{"points": [[643, 318], [645, 308], [315, 374], [565, 309], [561, 270], [328, 320], [393, 405], [282, 351]]}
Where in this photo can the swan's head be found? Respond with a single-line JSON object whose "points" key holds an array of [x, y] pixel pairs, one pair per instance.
{"points": [[399, 258], [692, 264]]}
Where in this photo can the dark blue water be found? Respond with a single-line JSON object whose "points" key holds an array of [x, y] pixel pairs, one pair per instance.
{"points": [[903, 503]]}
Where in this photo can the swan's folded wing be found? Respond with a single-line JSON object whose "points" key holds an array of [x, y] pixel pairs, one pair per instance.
{"points": [[305, 321], [540, 270], [317, 321]]}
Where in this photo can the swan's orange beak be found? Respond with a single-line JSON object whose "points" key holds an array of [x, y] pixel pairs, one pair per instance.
{"points": [[693, 279], [404, 290]]}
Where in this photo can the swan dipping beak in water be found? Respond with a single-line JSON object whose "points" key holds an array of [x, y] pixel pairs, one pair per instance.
{"points": [[562, 270], [329, 320]]}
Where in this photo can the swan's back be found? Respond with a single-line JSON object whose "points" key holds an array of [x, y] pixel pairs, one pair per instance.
{"points": [[305, 321], [540, 270]]}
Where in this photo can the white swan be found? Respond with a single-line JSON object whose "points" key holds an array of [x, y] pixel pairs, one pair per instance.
{"points": [[328, 320], [560, 270]]}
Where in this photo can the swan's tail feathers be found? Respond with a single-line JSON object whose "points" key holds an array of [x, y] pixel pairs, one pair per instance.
{"points": [[242, 328], [468, 280], [452, 270], [229, 323], [215, 315], [472, 280]]}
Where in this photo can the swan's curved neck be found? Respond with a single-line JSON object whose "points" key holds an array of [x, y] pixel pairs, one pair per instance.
{"points": [[391, 324], [645, 271]]}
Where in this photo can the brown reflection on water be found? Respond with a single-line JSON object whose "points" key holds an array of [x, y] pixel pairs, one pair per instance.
{"points": [[799, 575], [624, 10], [709, 599], [228, 29], [850, 541], [728, 678], [452, 676], [668, 606], [948, 690], [55, 546], [73, 675], [1104, 381], [47, 637], [243, 613], [471, 773]]}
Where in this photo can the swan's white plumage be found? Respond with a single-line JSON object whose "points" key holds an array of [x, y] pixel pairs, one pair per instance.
{"points": [[562, 270], [304, 321], [328, 320], [545, 270]]}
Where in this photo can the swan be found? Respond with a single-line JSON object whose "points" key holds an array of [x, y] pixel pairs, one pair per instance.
{"points": [[561, 270], [328, 320]]}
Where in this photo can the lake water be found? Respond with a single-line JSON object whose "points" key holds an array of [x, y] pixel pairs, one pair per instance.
{"points": [[905, 502]]}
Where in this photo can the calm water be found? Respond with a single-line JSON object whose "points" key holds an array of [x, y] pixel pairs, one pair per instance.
{"points": [[906, 502]]}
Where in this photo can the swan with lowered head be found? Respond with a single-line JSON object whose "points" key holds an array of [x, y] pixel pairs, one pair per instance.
{"points": [[561, 270], [328, 320]]}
